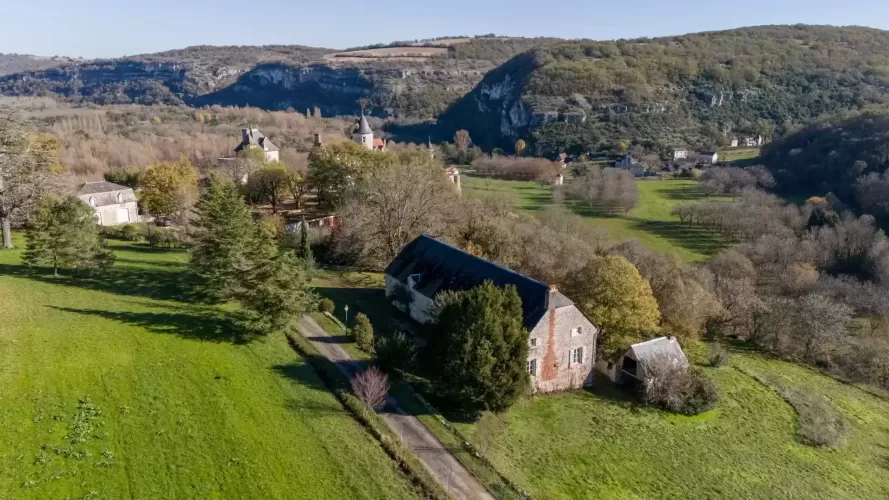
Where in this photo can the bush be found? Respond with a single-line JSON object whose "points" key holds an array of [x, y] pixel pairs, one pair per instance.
{"points": [[162, 237], [676, 388], [363, 333], [372, 387], [718, 355], [132, 232], [326, 306], [395, 350]]}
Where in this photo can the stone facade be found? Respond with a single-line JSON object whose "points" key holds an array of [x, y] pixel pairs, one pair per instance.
{"points": [[554, 362]]}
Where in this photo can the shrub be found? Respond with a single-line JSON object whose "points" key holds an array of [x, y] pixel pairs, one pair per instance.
{"points": [[718, 355], [132, 232], [372, 387], [363, 333], [676, 388], [326, 306], [395, 350], [162, 237]]}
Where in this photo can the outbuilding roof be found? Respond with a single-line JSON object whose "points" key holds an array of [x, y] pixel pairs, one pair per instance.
{"points": [[437, 266], [661, 346]]}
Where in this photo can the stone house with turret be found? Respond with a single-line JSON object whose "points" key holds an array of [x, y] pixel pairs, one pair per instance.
{"points": [[561, 340], [364, 135]]}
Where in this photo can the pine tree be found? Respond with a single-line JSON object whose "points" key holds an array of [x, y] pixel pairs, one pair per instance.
{"points": [[273, 288], [304, 251], [64, 233], [482, 348], [224, 231]]}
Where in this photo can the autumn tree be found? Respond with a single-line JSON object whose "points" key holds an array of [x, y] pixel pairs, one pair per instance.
{"points": [[64, 233], [333, 168], [392, 205], [169, 189], [612, 294], [481, 347], [223, 233], [462, 140], [269, 184], [27, 164], [520, 147], [297, 186]]}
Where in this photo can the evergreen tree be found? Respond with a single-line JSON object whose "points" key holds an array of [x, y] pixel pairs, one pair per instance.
{"points": [[224, 231], [482, 349], [363, 333], [64, 233], [273, 288], [304, 251]]}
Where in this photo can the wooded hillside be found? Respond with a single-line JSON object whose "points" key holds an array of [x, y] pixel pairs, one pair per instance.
{"points": [[694, 90]]}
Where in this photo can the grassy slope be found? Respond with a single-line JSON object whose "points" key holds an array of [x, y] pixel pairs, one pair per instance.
{"points": [[601, 445], [650, 222], [186, 413]]}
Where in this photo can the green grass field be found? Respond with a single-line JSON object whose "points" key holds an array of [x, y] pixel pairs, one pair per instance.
{"points": [[744, 155], [650, 222], [600, 444], [119, 387]]}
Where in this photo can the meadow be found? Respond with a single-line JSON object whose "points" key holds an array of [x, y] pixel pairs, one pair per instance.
{"points": [[650, 222], [121, 385]]}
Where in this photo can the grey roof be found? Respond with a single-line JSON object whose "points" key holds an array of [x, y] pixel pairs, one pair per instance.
{"points": [[363, 126], [253, 137], [105, 193], [668, 346], [438, 266], [101, 187]]}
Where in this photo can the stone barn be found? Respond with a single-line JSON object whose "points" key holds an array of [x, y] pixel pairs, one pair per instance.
{"points": [[112, 203], [561, 341], [629, 367]]}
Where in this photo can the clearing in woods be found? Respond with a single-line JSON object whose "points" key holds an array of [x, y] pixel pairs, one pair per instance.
{"points": [[650, 222], [119, 386]]}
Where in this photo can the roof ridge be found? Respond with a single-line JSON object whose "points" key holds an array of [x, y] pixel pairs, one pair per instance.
{"points": [[501, 266]]}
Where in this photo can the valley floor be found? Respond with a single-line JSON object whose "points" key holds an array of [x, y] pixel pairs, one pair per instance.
{"points": [[650, 222], [118, 387]]}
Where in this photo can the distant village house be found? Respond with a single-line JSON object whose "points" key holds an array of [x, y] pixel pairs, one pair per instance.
{"points": [[680, 154], [112, 203], [562, 342], [364, 135], [708, 158], [253, 138]]}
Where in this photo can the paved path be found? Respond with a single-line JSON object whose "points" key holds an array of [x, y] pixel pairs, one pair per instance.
{"points": [[434, 455]]}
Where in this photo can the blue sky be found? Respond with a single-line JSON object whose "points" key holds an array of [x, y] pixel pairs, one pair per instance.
{"points": [[110, 28]]}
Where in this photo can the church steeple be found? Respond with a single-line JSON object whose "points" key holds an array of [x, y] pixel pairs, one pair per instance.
{"points": [[364, 135]]}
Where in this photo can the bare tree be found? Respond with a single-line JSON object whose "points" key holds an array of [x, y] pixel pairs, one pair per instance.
{"points": [[462, 140], [372, 387]]}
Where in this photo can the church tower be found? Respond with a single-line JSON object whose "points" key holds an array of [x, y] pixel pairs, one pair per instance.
{"points": [[364, 135]]}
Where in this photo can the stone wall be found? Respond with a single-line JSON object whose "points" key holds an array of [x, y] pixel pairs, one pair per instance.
{"points": [[555, 371]]}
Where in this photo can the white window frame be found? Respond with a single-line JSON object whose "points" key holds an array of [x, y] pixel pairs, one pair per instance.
{"points": [[577, 331], [531, 367], [572, 356]]}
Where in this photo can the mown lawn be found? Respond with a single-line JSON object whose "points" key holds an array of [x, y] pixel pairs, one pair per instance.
{"points": [[600, 444], [119, 387], [650, 222]]}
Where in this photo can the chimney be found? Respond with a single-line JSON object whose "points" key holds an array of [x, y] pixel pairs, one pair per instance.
{"points": [[553, 289], [317, 140], [245, 135]]}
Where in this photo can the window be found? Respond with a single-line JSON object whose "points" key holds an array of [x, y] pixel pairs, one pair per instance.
{"points": [[532, 342], [576, 331], [92, 201], [532, 367], [119, 198], [575, 356]]}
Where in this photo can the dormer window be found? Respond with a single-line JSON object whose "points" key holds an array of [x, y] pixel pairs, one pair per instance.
{"points": [[92, 201], [120, 197]]}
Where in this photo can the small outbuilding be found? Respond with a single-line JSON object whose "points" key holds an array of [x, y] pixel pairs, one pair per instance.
{"points": [[629, 367], [112, 203]]}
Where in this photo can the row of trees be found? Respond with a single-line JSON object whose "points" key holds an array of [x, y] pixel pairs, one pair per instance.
{"points": [[608, 189]]}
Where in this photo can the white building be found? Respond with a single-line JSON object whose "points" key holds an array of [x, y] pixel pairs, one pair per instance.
{"points": [[112, 203], [364, 135], [629, 367], [253, 138], [561, 341], [708, 158]]}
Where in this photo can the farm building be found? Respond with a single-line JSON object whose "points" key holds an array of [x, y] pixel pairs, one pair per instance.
{"points": [[253, 138], [629, 367], [708, 158], [112, 203], [562, 342]]}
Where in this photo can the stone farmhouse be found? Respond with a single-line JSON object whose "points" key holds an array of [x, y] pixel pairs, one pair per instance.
{"points": [[708, 158], [253, 138], [562, 342], [629, 367], [112, 203]]}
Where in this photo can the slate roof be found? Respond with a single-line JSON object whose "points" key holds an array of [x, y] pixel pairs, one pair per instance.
{"points": [[668, 346], [441, 267], [105, 193], [363, 126], [255, 138], [101, 187]]}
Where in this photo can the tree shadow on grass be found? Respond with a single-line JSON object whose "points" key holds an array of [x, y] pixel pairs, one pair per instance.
{"points": [[122, 280], [205, 327], [370, 301], [692, 238]]}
